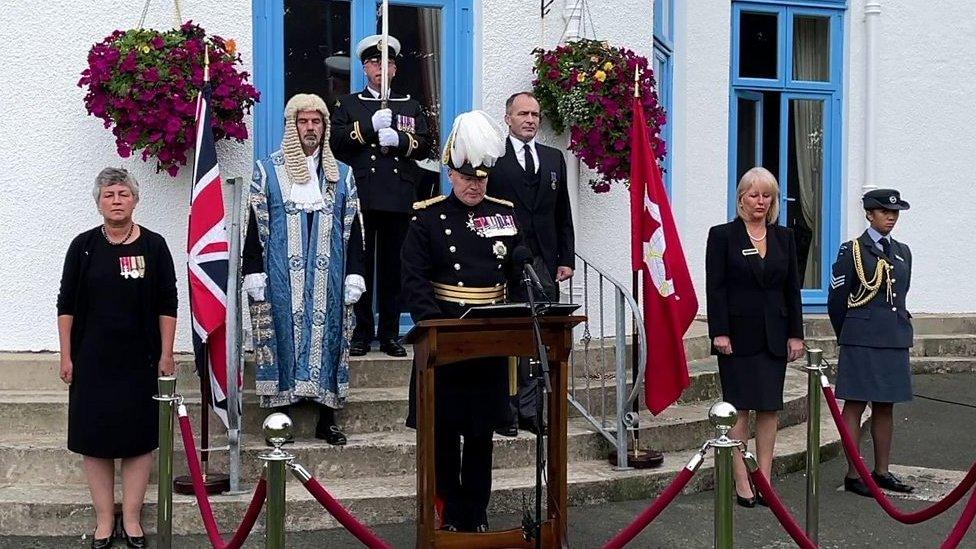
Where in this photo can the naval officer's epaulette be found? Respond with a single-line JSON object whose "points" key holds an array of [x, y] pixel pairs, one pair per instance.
{"points": [[501, 201], [429, 202]]}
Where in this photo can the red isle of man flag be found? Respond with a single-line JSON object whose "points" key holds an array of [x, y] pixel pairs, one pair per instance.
{"points": [[208, 254], [670, 303]]}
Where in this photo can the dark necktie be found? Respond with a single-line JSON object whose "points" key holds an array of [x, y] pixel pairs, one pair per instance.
{"points": [[529, 161], [886, 246]]}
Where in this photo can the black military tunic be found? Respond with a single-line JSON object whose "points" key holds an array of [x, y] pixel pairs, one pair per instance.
{"points": [[874, 331], [455, 257], [386, 183]]}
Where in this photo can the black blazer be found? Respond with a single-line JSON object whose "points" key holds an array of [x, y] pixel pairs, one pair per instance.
{"points": [[547, 218], [754, 301]]}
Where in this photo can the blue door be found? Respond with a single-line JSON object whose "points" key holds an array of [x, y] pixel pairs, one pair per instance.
{"points": [[786, 115]]}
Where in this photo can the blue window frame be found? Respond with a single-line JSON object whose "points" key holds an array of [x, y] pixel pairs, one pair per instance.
{"points": [[456, 72], [664, 71], [456, 46], [786, 105]]}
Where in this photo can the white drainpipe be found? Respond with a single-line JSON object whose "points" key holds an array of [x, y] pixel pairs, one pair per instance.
{"points": [[872, 14]]}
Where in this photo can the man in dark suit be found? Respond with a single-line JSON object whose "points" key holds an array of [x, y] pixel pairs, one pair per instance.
{"points": [[533, 177], [380, 143]]}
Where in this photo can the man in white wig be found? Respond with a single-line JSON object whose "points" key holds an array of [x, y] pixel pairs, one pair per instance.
{"points": [[457, 254], [303, 266]]}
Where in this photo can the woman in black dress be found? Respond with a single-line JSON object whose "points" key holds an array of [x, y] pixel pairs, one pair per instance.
{"points": [[116, 322], [754, 314]]}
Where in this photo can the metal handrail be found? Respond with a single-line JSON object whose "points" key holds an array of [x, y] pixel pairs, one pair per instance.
{"points": [[641, 331]]}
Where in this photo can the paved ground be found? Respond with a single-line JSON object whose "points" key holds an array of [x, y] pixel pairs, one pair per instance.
{"points": [[929, 434]]}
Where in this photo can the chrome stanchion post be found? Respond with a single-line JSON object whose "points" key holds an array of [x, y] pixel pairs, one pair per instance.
{"points": [[814, 373], [723, 416], [167, 397], [277, 430], [621, 369]]}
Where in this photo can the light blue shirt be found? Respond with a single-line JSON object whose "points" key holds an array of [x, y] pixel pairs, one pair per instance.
{"points": [[876, 237]]}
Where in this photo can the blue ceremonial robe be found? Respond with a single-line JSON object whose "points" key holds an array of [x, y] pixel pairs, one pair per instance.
{"points": [[302, 330]]}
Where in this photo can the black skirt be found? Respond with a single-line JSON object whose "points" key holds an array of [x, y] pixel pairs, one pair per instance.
{"points": [[753, 382]]}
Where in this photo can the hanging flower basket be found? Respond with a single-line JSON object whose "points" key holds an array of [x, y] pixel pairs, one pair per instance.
{"points": [[587, 86], [144, 84]]}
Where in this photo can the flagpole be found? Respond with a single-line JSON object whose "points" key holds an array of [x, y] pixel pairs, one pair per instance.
{"points": [[650, 457]]}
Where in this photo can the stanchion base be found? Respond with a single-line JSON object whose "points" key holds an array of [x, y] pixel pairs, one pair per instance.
{"points": [[216, 483], [640, 459]]}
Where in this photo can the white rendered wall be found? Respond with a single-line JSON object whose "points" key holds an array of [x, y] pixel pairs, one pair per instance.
{"points": [[52, 150], [926, 73]]}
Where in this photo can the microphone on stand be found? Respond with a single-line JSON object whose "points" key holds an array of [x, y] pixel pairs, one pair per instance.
{"points": [[522, 256]]}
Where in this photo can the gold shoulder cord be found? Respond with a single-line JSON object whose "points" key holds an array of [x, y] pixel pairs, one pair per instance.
{"points": [[869, 288]]}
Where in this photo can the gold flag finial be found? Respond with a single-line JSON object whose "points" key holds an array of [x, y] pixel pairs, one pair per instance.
{"points": [[637, 81]]}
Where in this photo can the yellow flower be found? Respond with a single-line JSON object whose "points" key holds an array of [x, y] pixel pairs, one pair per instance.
{"points": [[581, 77], [231, 46], [607, 66], [600, 75], [145, 49]]}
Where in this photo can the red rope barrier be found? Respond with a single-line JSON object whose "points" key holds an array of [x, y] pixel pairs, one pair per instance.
{"points": [[854, 454], [782, 513], [345, 518], [206, 511], [962, 525], [648, 515]]}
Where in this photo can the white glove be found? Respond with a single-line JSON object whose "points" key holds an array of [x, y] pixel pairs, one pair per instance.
{"points": [[254, 284], [382, 118], [355, 286], [389, 137]]}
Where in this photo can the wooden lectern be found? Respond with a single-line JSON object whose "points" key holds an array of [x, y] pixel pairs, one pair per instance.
{"points": [[438, 343]]}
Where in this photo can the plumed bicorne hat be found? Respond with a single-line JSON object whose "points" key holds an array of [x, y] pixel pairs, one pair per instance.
{"points": [[474, 145]]}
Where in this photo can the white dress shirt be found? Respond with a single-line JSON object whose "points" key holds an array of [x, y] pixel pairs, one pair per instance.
{"points": [[308, 196], [519, 147]]}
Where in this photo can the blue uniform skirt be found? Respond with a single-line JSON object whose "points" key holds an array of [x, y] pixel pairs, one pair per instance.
{"points": [[873, 374]]}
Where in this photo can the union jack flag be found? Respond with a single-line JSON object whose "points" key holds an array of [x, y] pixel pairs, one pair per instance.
{"points": [[208, 255]]}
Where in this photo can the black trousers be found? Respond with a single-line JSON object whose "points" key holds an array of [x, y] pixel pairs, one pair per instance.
{"points": [[383, 234], [463, 478]]}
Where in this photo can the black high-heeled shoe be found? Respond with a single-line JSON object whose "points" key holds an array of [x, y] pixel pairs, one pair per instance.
{"points": [[745, 502], [136, 542], [102, 543]]}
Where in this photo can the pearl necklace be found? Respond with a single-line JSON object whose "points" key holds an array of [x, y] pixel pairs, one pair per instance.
{"points": [[757, 240], [119, 243]]}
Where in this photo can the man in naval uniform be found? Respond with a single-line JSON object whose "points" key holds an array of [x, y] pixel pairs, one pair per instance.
{"points": [[381, 145], [866, 305], [302, 265], [458, 254]]}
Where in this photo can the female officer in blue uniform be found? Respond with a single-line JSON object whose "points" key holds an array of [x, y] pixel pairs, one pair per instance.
{"points": [[866, 304]]}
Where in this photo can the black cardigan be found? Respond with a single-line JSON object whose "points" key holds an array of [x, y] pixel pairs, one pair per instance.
{"points": [[755, 302], [157, 298]]}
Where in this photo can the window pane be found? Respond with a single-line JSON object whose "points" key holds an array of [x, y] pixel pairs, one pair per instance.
{"points": [[747, 137], [758, 45], [662, 20], [419, 75], [805, 149], [811, 48], [317, 48]]}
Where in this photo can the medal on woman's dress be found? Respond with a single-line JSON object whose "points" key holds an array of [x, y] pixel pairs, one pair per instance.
{"points": [[133, 266]]}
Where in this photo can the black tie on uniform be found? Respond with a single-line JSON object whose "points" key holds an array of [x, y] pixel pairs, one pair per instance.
{"points": [[529, 161], [886, 246]]}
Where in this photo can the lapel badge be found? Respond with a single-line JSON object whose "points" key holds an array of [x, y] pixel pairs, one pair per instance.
{"points": [[553, 179], [499, 249], [750, 251]]}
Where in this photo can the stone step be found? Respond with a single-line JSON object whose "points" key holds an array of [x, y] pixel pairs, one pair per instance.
{"points": [[924, 324], [925, 345], [368, 410], [44, 459], [66, 509]]}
